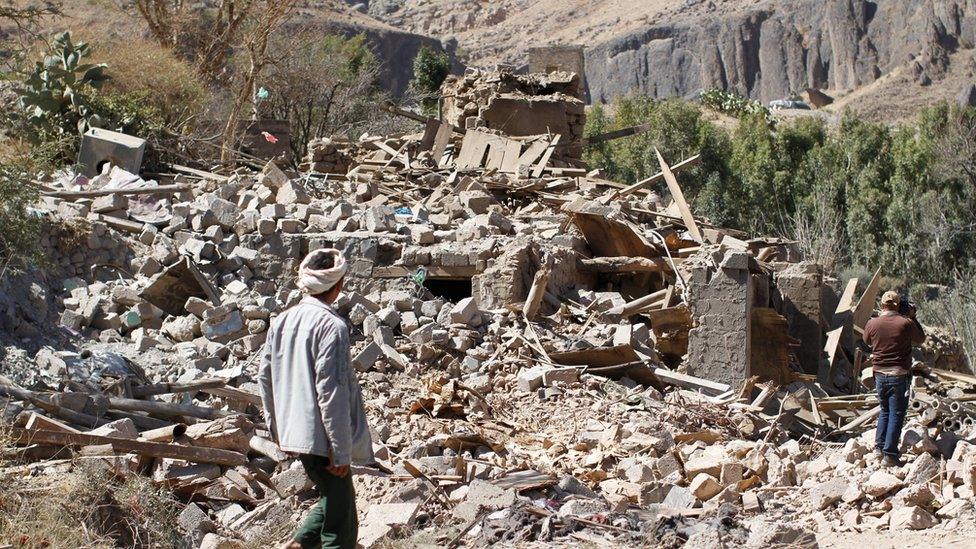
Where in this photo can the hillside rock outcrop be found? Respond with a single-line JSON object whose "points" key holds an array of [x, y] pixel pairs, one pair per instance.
{"points": [[776, 48]]}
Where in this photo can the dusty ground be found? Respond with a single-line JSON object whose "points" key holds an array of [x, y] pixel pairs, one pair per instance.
{"points": [[962, 537]]}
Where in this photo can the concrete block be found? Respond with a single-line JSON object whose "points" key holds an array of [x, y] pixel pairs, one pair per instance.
{"points": [[530, 379], [222, 322], [680, 497], [100, 146], [582, 508], [365, 359], [110, 203]]}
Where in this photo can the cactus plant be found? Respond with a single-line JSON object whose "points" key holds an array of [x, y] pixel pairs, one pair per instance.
{"points": [[52, 98]]}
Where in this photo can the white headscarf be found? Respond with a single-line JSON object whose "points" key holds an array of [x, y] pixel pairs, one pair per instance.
{"points": [[315, 282]]}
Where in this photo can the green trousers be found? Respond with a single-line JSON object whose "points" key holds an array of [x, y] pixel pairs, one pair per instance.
{"points": [[332, 522]]}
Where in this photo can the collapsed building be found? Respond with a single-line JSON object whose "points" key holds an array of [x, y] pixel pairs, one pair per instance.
{"points": [[546, 354]]}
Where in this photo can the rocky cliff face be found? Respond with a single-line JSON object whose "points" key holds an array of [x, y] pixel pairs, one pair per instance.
{"points": [[776, 48]]}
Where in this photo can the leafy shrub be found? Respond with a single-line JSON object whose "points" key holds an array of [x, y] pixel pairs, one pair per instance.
{"points": [[53, 99], [731, 103], [677, 129], [20, 225]]}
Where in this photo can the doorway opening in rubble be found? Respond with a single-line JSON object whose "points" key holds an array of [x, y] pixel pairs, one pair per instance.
{"points": [[451, 289]]}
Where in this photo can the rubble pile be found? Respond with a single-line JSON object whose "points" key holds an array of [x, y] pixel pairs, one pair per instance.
{"points": [[498, 100], [546, 355]]}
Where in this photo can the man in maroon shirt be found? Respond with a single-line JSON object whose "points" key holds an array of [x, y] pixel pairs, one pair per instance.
{"points": [[891, 336]]}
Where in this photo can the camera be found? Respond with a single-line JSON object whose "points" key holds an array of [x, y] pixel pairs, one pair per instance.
{"points": [[905, 307]]}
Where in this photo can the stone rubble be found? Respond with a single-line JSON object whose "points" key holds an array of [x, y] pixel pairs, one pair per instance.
{"points": [[655, 393]]}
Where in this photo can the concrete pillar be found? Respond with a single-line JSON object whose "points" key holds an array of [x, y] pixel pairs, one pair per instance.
{"points": [[719, 346]]}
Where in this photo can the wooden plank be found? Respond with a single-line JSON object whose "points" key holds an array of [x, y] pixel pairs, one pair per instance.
{"points": [[532, 153], [472, 150], [846, 302], [431, 128], [433, 271], [659, 176], [37, 422], [510, 162], [441, 139], [161, 189], [679, 198], [397, 155], [865, 306], [155, 449], [544, 161], [496, 152], [832, 347], [199, 173], [671, 318]]}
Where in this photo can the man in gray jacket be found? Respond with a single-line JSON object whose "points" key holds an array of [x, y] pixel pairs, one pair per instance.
{"points": [[312, 401]]}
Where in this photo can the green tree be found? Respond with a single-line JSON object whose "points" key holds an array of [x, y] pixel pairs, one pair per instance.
{"points": [[430, 69]]}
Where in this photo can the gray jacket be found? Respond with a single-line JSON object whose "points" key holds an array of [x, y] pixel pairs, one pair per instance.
{"points": [[312, 400]]}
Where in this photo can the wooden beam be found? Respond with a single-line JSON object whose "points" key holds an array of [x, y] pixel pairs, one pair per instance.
{"points": [[154, 449], [616, 134], [166, 409], [143, 391], [134, 227], [679, 198], [544, 161], [233, 393], [659, 176], [861, 420], [37, 422], [633, 307], [161, 189], [43, 403], [393, 109], [625, 265]]}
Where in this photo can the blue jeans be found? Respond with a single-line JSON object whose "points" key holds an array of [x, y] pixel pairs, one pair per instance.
{"points": [[893, 394]]}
